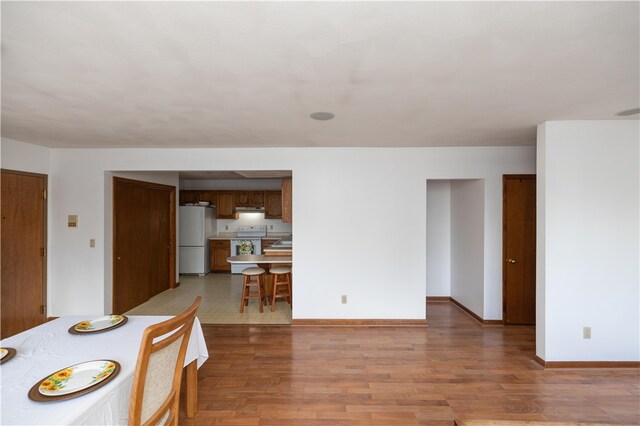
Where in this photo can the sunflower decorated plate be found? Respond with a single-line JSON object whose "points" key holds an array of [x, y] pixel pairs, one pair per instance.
{"points": [[75, 380], [98, 325]]}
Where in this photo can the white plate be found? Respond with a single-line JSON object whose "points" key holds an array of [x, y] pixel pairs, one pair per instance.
{"points": [[3, 353], [97, 324], [76, 378]]}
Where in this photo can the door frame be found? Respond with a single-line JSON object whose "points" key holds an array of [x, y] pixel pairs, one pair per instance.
{"points": [[45, 242], [504, 237], [172, 228]]}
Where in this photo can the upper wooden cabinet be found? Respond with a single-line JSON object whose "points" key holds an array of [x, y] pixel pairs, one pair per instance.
{"points": [[210, 196], [227, 201], [272, 204], [226, 207], [287, 200], [249, 198], [189, 196]]}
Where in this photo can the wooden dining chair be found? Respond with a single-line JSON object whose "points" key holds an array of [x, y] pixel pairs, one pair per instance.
{"points": [[155, 394]]}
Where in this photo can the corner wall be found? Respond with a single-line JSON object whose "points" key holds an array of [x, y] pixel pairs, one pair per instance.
{"points": [[467, 244], [438, 238], [588, 245]]}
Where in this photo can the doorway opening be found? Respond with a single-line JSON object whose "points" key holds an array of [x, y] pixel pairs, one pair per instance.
{"points": [[258, 202], [455, 243]]}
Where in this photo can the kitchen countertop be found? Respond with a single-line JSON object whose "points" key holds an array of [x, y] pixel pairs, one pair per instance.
{"points": [[232, 235]]}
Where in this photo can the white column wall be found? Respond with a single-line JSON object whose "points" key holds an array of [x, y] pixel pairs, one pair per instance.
{"points": [[590, 173], [343, 198], [438, 238], [467, 244]]}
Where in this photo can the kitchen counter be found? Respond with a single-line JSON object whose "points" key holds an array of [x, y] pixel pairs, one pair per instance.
{"points": [[232, 235]]}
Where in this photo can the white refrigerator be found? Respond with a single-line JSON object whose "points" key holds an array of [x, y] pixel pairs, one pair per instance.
{"points": [[197, 224]]}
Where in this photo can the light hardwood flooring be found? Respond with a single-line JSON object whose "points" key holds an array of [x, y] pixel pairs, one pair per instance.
{"points": [[220, 304], [454, 368]]}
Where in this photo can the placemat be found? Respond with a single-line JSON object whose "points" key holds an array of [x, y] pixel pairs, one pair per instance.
{"points": [[7, 357]]}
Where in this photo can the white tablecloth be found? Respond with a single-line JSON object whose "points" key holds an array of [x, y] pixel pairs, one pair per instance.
{"points": [[50, 347]]}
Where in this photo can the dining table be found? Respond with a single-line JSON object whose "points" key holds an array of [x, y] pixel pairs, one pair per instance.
{"points": [[51, 347], [263, 261]]}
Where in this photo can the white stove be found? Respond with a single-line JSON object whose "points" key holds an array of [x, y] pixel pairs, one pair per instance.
{"points": [[248, 241], [251, 231]]}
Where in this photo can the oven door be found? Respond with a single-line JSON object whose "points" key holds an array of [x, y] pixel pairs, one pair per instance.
{"points": [[243, 246]]}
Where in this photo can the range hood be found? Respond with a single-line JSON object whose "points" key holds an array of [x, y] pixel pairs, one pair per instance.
{"points": [[249, 209]]}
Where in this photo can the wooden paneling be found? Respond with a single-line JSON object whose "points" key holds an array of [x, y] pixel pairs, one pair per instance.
{"points": [[23, 251], [519, 249], [144, 240], [219, 251], [452, 369], [287, 200]]}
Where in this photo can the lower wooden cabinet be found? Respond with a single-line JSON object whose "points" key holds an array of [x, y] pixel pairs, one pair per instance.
{"points": [[219, 251]]}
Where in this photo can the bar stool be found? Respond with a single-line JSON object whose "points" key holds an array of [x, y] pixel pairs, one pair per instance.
{"points": [[248, 291], [284, 293]]}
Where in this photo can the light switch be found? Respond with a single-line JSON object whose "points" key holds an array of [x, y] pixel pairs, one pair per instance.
{"points": [[72, 221], [92, 243]]}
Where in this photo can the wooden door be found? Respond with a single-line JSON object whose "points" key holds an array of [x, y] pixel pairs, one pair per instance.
{"points": [[23, 248], [144, 240], [519, 249]]}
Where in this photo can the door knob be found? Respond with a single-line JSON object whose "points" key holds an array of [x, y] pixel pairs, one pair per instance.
{"points": [[511, 260]]}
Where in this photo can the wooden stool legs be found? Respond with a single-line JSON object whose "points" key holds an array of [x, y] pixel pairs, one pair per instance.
{"points": [[284, 293], [252, 290]]}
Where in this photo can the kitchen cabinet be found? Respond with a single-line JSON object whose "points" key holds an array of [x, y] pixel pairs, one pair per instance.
{"points": [[189, 196], [272, 204], [249, 198], [226, 207], [287, 200], [210, 196], [219, 251]]}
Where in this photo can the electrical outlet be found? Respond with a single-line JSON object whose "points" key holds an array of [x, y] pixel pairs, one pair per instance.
{"points": [[344, 299], [92, 242], [586, 332], [226, 227], [271, 227]]}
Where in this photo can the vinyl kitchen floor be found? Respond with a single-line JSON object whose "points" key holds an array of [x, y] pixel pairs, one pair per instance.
{"points": [[220, 302]]}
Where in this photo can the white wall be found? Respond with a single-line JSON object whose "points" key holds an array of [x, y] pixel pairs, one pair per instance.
{"points": [[438, 238], [589, 276], [467, 244], [342, 201]]}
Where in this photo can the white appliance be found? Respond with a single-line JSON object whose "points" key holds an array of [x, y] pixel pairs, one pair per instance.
{"points": [[197, 224], [248, 241]]}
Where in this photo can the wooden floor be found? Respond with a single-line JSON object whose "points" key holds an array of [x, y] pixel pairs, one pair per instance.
{"points": [[454, 368]]}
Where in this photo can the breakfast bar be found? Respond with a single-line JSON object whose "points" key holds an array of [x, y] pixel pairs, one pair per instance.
{"points": [[263, 261]]}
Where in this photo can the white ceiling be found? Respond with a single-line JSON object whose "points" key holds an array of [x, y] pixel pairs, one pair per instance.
{"points": [[247, 74]]}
